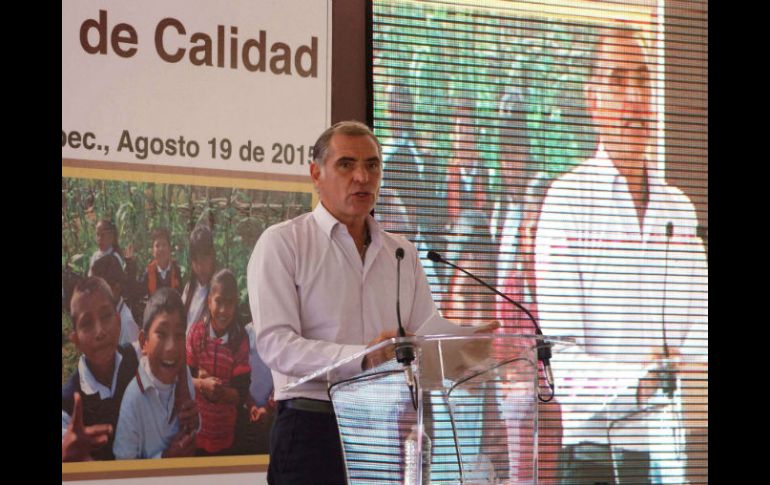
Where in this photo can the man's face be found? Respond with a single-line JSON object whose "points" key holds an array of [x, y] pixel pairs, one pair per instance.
{"points": [[348, 182], [161, 251], [619, 100], [96, 327], [164, 346]]}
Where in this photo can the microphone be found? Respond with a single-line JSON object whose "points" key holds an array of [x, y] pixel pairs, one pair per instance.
{"points": [[543, 351], [399, 257], [404, 350]]}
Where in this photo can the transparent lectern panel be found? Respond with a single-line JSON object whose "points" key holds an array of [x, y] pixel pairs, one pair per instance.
{"points": [[648, 446], [374, 414], [476, 403]]}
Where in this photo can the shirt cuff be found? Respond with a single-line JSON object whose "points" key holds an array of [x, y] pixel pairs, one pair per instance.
{"points": [[353, 367]]}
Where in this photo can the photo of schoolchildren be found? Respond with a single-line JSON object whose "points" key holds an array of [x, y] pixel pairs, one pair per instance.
{"points": [[202, 265], [155, 421], [218, 356], [91, 397], [140, 237], [108, 268]]}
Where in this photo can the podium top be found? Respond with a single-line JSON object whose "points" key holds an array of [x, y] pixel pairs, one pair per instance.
{"points": [[470, 349]]}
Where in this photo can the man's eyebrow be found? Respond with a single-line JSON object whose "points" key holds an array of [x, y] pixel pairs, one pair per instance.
{"points": [[353, 159], [344, 159]]}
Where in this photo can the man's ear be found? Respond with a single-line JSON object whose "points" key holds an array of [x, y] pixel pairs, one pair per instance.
{"points": [[315, 175], [315, 172]]}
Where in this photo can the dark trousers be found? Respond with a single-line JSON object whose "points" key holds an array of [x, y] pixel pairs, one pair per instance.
{"points": [[305, 449]]}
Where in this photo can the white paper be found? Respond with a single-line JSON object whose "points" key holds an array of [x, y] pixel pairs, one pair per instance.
{"points": [[438, 325]]}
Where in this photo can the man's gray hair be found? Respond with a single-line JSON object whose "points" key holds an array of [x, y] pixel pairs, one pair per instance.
{"points": [[348, 128], [607, 35]]}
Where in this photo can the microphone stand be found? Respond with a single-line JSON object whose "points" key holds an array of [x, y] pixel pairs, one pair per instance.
{"points": [[543, 351], [669, 381], [404, 350]]}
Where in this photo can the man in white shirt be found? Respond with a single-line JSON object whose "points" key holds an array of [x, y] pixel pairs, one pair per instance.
{"points": [[618, 261], [322, 287]]}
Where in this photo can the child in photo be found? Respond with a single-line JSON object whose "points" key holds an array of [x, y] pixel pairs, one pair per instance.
{"points": [[155, 421], [218, 356], [256, 418], [107, 243], [108, 268], [162, 271], [202, 264], [91, 397]]}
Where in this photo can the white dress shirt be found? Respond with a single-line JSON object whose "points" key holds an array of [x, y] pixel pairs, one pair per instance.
{"points": [[613, 284], [315, 302]]}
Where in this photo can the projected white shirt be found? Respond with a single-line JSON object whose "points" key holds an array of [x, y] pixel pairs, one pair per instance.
{"points": [[616, 286], [314, 302]]}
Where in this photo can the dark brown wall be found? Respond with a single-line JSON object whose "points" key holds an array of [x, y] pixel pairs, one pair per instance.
{"points": [[687, 101], [349, 67]]}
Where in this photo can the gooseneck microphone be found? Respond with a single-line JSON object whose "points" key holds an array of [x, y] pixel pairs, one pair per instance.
{"points": [[543, 351], [404, 350], [399, 257]]}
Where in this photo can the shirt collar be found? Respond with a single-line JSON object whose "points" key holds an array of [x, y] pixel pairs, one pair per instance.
{"points": [[602, 159], [163, 271], [325, 219], [328, 222], [89, 384], [149, 380], [107, 251], [224, 338]]}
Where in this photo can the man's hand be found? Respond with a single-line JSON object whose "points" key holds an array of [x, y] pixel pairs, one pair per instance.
{"points": [[376, 358], [490, 327], [662, 377], [479, 349], [80, 440]]}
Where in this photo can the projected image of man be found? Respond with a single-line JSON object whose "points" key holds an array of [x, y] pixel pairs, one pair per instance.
{"points": [[618, 261]]}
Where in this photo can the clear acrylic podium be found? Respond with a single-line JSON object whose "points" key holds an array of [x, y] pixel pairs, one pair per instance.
{"points": [[470, 416]]}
